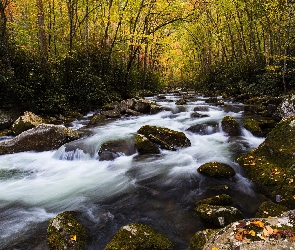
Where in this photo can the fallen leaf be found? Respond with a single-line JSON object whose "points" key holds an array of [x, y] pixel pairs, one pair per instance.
{"points": [[214, 248], [267, 231], [252, 232], [292, 238], [239, 235], [291, 180], [258, 223], [74, 237]]}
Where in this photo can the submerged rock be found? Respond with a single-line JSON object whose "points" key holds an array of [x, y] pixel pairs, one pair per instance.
{"points": [[113, 149], [220, 216], [66, 232], [27, 121], [164, 137], [42, 138], [271, 166], [217, 170], [230, 126], [138, 236], [204, 129]]}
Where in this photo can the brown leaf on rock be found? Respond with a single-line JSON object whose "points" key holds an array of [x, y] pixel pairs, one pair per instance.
{"points": [[239, 235], [267, 231]]}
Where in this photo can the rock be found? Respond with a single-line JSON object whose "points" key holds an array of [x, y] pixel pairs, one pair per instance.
{"points": [[139, 236], [156, 109], [270, 209], [66, 232], [113, 113], [204, 129], [198, 115], [164, 137], [42, 138], [271, 166], [113, 149], [25, 122], [253, 126], [230, 126], [7, 117], [97, 119], [201, 108], [276, 233], [286, 107], [143, 106], [220, 216], [217, 170], [181, 102], [218, 200], [132, 112], [145, 146], [199, 239]]}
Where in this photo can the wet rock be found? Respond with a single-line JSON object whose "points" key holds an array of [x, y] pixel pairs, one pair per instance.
{"points": [[201, 108], [66, 232], [156, 109], [286, 107], [218, 200], [271, 166], [42, 138], [219, 216], [253, 126], [143, 106], [199, 239], [217, 170], [133, 112], [204, 129], [27, 121], [181, 102], [7, 118], [270, 209], [230, 126], [145, 146], [114, 113], [198, 115], [97, 119], [139, 236], [164, 137], [114, 149]]}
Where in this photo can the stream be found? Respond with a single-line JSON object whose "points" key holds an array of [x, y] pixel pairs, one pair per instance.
{"points": [[157, 190]]}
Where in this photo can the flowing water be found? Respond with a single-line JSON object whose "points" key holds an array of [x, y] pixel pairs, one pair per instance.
{"points": [[158, 190]]}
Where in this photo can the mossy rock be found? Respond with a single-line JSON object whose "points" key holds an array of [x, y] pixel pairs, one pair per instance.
{"points": [[218, 200], [113, 149], [114, 113], [164, 137], [217, 170], [271, 166], [139, 237], [66, 232], [199, 239], [181, 102], [230, 126], [42, 138], [97, 119], [27, 121], [145, 146], [253, 126], [219, 216], [270, 209]]}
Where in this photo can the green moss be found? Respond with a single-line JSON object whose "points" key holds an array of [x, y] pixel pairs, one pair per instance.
{"points": [[269, 208], [199, 239], [217, 169], [219, 215], [164, 137], [253, 126], [145, 146], [138, 237], [66, 232], [272, 165], [230, 126], [219, 200]]}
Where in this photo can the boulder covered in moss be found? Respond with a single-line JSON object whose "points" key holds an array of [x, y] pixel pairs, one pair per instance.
{"points": [[270, 209], [66, 232], [217, 170], [181, 102], [97, 119], [27, 121], [219, 216], [113, 149], [164, 137], [271, 166], [218, 200], [230, 126], [42, 138], [253, 126], [199, 239], [139, 237], [145, 146]]}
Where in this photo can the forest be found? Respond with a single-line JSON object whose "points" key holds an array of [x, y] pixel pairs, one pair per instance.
{"points": [[79, 54]]}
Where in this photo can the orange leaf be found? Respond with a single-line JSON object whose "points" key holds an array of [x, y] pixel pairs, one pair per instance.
{"points": [[258, 223]]}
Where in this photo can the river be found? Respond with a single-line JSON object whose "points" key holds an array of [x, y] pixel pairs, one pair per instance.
{"points": [[158, 190]]}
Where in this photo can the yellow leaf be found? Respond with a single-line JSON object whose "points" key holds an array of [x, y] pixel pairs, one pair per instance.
{"points": [[291, 180], [252, 232], [214, 248], [258, 223], [74, 237]]}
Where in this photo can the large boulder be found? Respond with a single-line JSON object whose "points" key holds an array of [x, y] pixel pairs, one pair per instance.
{"points": [[230, 126], [219, 216], [139, 236], [27, 121], [259, 127], [42, 138], [217, 170], [270, 209], [145, 146], [66, 232], [112, 149], [271, 166], [7, 117], [286, 107], [164, 137]]}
